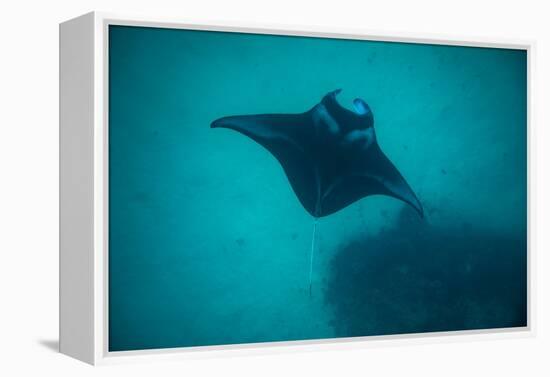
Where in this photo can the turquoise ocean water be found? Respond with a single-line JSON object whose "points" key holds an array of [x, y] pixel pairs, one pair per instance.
{"points": [[209, 245]]}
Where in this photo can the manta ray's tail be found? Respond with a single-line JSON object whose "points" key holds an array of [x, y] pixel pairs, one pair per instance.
{"points": [[315, 219]]}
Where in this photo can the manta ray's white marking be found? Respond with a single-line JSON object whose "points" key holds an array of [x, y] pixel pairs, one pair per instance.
{"points": [[322, 117]]}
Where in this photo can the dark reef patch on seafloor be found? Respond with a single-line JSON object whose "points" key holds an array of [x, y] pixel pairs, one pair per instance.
{"points": [[416, 277]]}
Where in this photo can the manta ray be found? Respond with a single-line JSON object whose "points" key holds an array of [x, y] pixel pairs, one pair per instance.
{"points": [[329, 154]]}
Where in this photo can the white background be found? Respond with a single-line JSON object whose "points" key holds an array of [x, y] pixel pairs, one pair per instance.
{"points": [[29, 186]]}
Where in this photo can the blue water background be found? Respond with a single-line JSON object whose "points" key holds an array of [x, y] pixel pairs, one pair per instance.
{"points": [[209, 245]]}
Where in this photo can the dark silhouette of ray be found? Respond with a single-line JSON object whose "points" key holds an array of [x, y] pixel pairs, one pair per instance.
{"points": [[330, 156]]}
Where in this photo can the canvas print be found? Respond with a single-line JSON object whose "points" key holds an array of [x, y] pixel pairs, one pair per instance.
{"points": [[268, 188]]}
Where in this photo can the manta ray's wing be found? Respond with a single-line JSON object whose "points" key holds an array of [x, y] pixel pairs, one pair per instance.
{"points": [[287, 137], [373, 174]]}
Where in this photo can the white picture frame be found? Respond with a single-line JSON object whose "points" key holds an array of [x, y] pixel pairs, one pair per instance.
{"points": [[84, 192]]}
